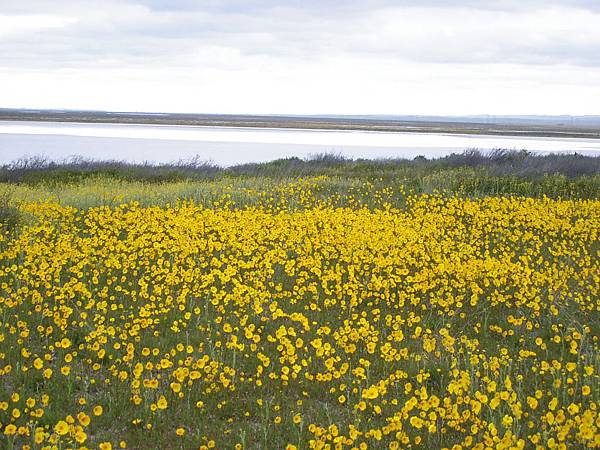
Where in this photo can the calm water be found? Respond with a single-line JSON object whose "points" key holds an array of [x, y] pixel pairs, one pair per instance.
{"points": [[228, 146]]}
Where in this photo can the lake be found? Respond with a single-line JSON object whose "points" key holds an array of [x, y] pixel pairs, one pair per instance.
{"points": [[228, 146]]}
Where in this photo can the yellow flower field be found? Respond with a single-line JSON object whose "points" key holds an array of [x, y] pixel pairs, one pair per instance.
{"points": [[446, 323]]}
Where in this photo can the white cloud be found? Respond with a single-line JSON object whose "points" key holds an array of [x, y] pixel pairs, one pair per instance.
{"points": [[549, 36], [28, 23], [377, 56]]}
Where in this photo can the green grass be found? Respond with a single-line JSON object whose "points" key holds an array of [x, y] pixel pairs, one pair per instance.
{"points": [[85, 183], [10, 217], [291, 193]]}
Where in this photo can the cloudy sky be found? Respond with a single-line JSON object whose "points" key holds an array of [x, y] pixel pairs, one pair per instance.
{"points": [[302, 56]]}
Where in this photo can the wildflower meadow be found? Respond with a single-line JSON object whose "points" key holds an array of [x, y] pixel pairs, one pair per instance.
{"points": [[381, 319]]}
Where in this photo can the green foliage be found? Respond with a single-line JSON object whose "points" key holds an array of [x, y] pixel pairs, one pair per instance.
{"points": [[497, 163], [330, 178], [10, 216]]}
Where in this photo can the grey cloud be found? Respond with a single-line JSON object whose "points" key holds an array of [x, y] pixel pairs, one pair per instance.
{"points": [[317, 7], [324, 7], [153, 32]]}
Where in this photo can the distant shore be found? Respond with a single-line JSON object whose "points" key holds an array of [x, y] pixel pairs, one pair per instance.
{"points": [[487, 127]]}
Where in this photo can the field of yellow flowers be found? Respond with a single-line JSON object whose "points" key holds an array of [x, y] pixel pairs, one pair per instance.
{"points": [[444, 322]]}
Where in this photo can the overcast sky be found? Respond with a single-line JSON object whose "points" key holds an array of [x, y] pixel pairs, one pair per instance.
{"points": [[303, 56]]}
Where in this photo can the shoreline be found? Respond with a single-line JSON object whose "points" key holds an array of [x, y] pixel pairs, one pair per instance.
{"points": [[306, 123]]}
